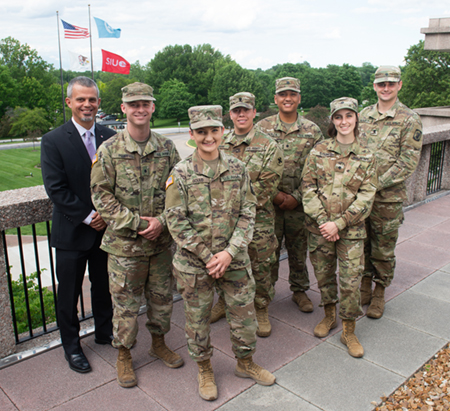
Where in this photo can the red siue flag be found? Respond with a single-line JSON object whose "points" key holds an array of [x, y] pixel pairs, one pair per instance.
{"points": [[114, 63]]}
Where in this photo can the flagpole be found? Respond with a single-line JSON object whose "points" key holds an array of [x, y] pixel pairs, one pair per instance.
{"points": [[60, 69], [90, 37]]}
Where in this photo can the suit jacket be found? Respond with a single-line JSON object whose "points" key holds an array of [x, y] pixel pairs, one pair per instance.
{"points": [[66, 171]]}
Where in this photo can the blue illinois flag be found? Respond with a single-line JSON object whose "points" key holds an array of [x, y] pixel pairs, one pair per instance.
{"points": [[105, 30]]}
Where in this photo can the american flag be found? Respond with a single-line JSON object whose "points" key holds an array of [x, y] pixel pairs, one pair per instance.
{"points": [[74, 32]]}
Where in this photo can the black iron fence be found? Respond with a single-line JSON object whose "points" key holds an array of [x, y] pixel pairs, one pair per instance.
{"points": [[32, 285], [435, 168]]}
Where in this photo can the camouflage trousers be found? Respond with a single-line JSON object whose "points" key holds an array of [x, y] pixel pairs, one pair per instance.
{"points": [[291, 226], [379, 247], [262, 256], [129, 278], [350, 254], [238, 289]]}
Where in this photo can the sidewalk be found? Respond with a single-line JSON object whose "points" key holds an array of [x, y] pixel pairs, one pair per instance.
{"points": [[312, 374]]}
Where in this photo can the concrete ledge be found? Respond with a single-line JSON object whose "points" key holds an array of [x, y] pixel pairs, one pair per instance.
{"points": [[434, 116], [432, 134], [437, 36], [24, 206], [18, 208]]}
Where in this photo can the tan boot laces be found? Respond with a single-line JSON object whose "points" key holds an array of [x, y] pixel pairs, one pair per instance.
{"points": [[206, 374]]}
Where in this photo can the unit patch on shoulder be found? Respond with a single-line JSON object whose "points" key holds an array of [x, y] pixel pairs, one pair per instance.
{"points": [[169, 181], [417, 135]]}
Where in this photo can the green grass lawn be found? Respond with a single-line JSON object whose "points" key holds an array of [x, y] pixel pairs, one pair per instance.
{"points": [[15, 168], [20, 168], [41, 229], [170, 123]]}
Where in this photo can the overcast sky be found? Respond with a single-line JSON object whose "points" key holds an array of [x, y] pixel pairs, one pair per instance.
{"points": [[256, 33]]}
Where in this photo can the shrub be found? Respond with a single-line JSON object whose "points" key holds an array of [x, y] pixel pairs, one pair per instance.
{"points": [[20, 307], [321, 116], [269, 112]]}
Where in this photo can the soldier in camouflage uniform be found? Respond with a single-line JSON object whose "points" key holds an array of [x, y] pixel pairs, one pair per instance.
{"points": [[128, 190], [296, 137], [264, 162], [210, 212], [338, 187], [394, 133]]}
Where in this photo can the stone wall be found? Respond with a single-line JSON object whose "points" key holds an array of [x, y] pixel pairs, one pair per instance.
{"points": [[417, 184], [18, 208], [437, 35]]}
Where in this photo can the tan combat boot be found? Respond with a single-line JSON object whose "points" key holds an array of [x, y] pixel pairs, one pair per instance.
{"points": [[348, 338], [376, 307], [160, 350], [207, 387], [302, 300], [328, 323], [246, 368], [125, 373], [366, 290], [218, 311], [262, 317]]}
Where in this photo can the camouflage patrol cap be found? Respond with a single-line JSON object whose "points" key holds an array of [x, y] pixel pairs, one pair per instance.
{"points": [[287, 83], [344, 102], [387, 73], [137, 91], [205, 116], [243, 99]]}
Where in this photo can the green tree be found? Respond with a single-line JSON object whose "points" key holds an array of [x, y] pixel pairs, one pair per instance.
{"points": [[232, 79], [23, 61], [174, 100], [9, 90], [344, 81], [315, 87], [425, 77], [111, 94], [138, 72], [8, 118], [34, 83], [368, 94], [266, 83], [30, 123], [366, 71], [195, 67]]}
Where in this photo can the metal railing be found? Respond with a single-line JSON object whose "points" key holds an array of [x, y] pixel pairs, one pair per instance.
{"points": [[33, 300], [435, 168]]}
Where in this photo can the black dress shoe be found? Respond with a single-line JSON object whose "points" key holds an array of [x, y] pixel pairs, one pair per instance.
{"points": [[78, 362], [104, 341]]}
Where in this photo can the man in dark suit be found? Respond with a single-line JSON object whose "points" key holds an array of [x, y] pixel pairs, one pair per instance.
{"points": [[77, 229]]}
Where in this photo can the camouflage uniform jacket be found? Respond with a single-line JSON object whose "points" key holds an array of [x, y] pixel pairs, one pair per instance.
{"points": [[208, 213], [296, 144], [395, 137], [126, 185], [340, 189], [264, 162]]}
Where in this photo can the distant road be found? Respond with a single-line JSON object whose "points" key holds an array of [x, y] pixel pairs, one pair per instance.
{"points": [[9, 146], [179, 136]]}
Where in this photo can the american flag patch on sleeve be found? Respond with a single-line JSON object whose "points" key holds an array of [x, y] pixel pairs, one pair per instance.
{"points": [[169, 182]]}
